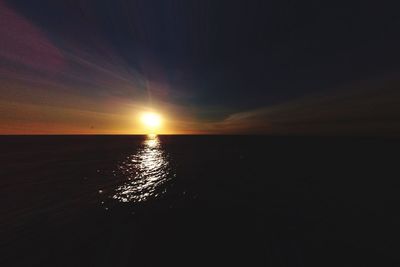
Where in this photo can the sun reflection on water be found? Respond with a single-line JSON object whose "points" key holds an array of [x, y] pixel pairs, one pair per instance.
{"points": [[146, 171]]}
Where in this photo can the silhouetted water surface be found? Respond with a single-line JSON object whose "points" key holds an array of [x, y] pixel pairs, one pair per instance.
{"points": [[199, 200]]}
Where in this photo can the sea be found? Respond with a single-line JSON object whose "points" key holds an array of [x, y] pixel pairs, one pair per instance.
{"points": [[199, 200]]}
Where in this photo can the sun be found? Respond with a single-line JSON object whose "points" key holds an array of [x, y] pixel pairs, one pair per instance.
{"points": [[151, 120]]}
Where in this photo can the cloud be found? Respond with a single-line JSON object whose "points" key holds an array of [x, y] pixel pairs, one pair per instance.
{"points": [[366, 108]]}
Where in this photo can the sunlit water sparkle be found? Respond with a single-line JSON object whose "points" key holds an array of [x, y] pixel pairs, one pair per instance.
{"points": [[146, 172]]}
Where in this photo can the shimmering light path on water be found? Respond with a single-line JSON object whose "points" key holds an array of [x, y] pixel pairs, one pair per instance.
{"points": [[145, 171]]}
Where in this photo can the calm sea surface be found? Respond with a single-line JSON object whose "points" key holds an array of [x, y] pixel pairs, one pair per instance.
{"points": [[199, 201]]}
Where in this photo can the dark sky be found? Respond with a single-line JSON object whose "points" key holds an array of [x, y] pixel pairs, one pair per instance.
{"points": [[214, 60]]}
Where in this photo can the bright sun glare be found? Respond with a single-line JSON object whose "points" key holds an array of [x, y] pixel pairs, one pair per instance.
{"points": [[151, 120]]}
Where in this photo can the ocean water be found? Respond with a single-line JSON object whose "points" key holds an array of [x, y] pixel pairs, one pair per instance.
{"points": [[199, 201]]}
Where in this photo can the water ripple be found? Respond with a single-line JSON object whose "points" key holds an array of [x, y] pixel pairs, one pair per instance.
{"points": [[146, 172]]}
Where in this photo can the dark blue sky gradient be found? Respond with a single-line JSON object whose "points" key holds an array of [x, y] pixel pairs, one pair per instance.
{"points": [[235, 53]]}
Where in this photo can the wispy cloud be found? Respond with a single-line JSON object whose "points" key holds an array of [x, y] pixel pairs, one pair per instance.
{"points": [[369, 107]]}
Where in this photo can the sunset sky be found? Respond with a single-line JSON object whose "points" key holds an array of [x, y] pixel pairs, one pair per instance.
{"points": [[208, 67]]}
